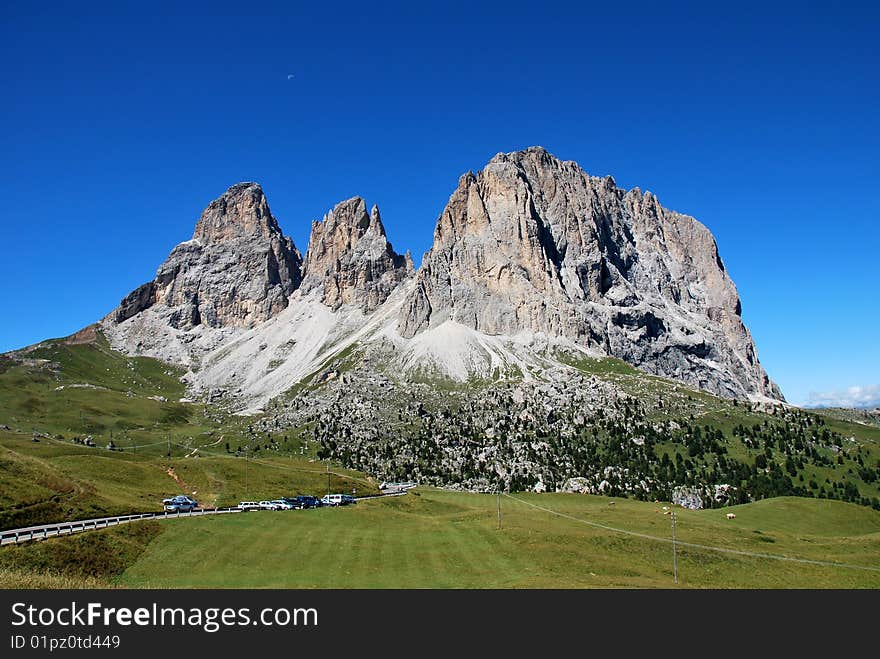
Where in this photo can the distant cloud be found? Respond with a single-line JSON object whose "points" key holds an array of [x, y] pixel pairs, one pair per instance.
{"points": [[868, 396], [290, 76]]}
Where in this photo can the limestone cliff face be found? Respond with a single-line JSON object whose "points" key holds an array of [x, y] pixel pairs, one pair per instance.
{"points": [[237, 271], [530, 247], [350, 259], [535, 244]]}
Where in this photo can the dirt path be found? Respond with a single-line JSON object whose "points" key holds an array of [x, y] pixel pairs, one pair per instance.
{"points": [[177, 479]]}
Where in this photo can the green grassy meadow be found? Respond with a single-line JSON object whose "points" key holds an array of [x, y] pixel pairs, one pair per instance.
{"points": [[441, 539]]}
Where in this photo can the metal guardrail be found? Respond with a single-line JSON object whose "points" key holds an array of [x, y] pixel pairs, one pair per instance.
{"points": [[26, 534]]}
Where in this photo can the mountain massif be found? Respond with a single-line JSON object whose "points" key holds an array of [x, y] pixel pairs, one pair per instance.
{"points": [[532, 258], [561, 334]]}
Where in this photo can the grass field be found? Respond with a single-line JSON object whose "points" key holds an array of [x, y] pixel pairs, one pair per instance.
{"points": [[54, 480], [440, 539]]}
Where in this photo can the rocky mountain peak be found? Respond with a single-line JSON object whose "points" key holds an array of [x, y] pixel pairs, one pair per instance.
{"points": [[529, 253], [350, 258], [237, 271], [240, 212], [534, 244], [536, 154]]}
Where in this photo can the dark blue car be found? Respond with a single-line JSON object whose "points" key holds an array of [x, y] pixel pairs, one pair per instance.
{"points": [[303, 501]]}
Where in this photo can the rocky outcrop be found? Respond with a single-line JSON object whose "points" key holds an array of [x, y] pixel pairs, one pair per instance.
{"points": [[350, 259], [688, 497], [534, 244], [237, 270], [143, 297]]}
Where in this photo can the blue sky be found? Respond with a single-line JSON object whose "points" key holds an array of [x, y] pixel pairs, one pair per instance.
{"points": [[122, 121]]}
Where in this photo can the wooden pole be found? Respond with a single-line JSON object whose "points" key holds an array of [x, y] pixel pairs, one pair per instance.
{"points": [[674, 552]]}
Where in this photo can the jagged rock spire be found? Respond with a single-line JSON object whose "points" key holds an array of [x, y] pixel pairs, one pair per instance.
{"points": [[350, 259]]}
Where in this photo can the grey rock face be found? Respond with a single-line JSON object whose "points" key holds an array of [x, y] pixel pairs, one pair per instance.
{"points": [[139, 299], [351, 260], [688, 497], [535, 244], [237, 271]]}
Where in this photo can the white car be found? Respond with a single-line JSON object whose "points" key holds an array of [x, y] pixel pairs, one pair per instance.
{"points": [[248, 505], [269, 505], [281, 505]]}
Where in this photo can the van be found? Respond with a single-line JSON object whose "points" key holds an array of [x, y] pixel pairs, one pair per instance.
{"points": [[332, 499]]}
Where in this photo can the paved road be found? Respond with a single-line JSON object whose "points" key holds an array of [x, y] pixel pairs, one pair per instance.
{"points": [[27, 533]]}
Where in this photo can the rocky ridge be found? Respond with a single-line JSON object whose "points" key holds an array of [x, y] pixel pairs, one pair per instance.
{"points": [[531, 257]]}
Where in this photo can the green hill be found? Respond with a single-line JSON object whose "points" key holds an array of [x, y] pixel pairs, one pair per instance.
{"points": [[86, 431], [440, 539]]}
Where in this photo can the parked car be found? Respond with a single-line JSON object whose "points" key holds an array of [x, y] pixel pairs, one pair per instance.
{"points": [[331, 500], [180, 504], [248, 505], [337, 499], [269, 505], [281, 504], [304, 501]]}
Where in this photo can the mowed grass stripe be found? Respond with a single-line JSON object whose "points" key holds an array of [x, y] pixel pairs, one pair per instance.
{"points": [[450, 540], [463, 559]]}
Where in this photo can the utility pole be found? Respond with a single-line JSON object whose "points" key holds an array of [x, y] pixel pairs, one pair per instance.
{"points": [[674, 554], [245, 471], [499, 507], [328, 478]]}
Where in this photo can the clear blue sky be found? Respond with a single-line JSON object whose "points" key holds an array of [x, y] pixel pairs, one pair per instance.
{"points": [[120, 122]]}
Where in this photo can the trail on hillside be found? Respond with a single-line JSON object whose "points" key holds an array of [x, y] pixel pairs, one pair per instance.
{"points": [[177, 479]]}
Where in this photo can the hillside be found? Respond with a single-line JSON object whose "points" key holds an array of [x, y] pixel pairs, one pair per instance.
{"points": [[598, 426], [437, 539], [64, 402]]}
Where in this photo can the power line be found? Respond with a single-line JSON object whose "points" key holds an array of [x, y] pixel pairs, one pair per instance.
{"points": [[283, 467], [693, 545]]}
